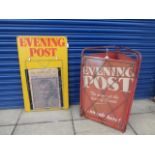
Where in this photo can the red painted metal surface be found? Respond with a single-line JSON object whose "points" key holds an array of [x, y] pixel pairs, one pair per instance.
{"points": [[108, 82]]}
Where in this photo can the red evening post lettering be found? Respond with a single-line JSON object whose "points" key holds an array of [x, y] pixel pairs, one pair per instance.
{"points": [[42, 46]]}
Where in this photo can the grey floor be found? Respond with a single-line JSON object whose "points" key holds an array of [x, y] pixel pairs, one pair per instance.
{"points": [[18, 122]]}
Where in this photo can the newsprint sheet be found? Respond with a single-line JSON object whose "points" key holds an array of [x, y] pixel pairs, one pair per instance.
{"points": [[45, 88]]}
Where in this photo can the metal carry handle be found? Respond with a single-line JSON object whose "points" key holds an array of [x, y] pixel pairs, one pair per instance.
{"points": [[95, 48], [128, 50]]}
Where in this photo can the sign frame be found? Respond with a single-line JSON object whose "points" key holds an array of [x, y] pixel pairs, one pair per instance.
{"points": [[109, 76], [43, 52]]}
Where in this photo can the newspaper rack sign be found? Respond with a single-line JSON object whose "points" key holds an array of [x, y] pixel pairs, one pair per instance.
{"points": [[108, 82], [44, 71]]}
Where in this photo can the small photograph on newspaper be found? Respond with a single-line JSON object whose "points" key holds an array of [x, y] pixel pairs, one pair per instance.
{"points": [[45, 88]]}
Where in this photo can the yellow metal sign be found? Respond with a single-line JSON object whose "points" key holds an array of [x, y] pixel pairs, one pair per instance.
{"points": [[36, 52]]}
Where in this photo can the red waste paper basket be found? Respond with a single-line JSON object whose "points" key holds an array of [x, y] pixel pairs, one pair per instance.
{"points": [[107, 86]]}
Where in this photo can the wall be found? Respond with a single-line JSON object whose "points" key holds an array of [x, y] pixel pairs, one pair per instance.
{"points": [[136, 34]]}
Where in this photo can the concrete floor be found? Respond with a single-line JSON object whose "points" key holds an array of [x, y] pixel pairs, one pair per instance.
{"points": [[18, 122]]}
